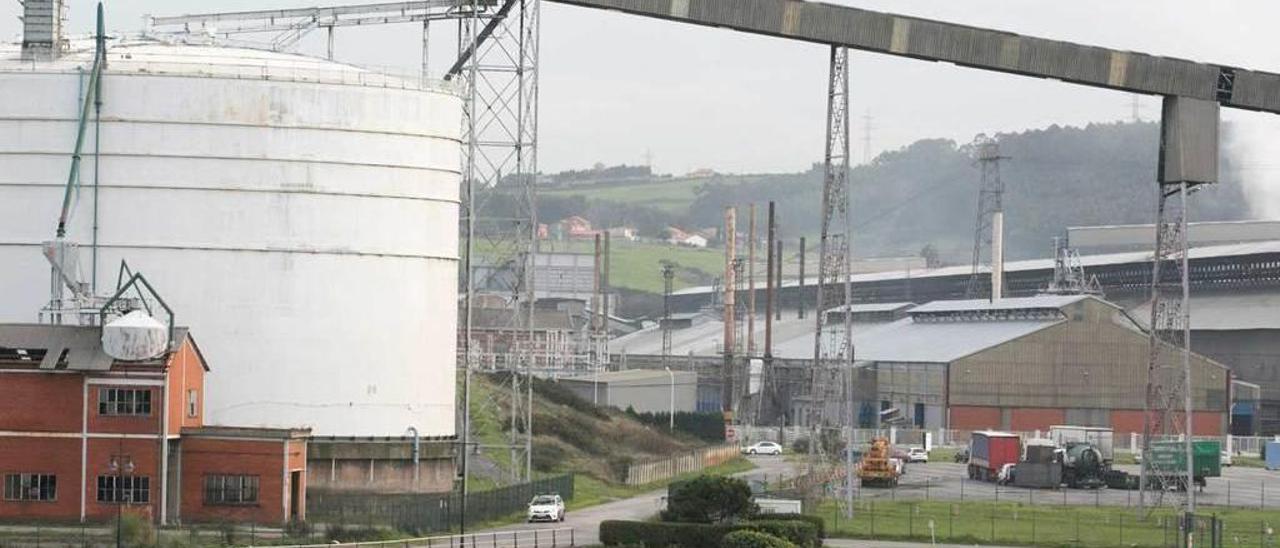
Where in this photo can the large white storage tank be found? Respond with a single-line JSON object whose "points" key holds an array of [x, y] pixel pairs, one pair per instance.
{"points": [[299, 215]]}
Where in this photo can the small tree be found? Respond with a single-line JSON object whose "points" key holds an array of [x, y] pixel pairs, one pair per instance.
{"points": [[709, 499]]}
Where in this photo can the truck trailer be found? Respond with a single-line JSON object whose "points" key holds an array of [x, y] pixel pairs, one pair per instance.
{"points": [[990, 451]]}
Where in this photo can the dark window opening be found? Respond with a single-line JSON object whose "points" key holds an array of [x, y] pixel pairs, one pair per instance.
{"points": [[230, 489], [31, 487], [124, 489]]}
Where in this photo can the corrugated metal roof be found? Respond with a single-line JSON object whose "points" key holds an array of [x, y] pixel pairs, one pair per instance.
{"points": [[1206, 252], [636, 375], [1222, 311], [873, 307], [984, 305], [907, 340], [82, 345]]}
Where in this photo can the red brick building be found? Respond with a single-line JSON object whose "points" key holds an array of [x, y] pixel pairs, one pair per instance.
{"points": [[82, 433]]}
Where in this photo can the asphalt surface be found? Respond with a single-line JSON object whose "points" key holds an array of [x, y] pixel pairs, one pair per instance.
{"points": [[585, 523], [1239, 487]]}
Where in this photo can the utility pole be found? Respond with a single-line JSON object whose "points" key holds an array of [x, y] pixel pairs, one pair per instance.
{"points": [[730, 313], [777, 280], [751, 284], [668, 279], [990, 214], [800, 293]]}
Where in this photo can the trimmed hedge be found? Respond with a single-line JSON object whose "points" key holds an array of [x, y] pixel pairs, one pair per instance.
{"points": [[753, 539], [798, 532], [699, 535], [660, 534], [817, 521]]}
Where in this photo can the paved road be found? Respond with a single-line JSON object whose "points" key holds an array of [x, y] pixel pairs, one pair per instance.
{"points": [[1239, 487], [585, 523]]}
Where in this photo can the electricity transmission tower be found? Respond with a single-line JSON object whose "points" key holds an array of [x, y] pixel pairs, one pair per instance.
{"points": [[1168, 365], [833, 348], [990, 213], [498, 70], [1188, 160]]}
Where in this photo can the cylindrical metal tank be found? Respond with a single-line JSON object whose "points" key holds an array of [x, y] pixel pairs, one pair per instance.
{"points": [[299, 215]]}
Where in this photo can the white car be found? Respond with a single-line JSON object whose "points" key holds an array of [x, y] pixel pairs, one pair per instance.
{"points": [[546, 508], [763, 448], [917, 454], [1226, 458]]}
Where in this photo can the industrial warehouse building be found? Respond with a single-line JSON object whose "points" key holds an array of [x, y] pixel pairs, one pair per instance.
{"points": [[644, 390], [82, 434], [1021, 364]]}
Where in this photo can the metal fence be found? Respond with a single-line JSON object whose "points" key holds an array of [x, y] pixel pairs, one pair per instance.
{"points": [[424, 513], [1239, 445], [526, 538], [647, 472], [1012, 524]]}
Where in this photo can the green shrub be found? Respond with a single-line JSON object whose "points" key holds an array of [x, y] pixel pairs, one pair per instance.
{"points": [[704, 426], [798, 532], [745, 538], [136, 530], [661, 535], [817, 521], [709, 499]]}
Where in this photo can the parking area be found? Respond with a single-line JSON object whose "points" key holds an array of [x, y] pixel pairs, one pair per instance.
{"points": [[1241, 487]]}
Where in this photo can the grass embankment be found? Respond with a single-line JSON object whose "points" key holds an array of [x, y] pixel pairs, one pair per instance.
{"points": [[589, 491], [572, 435], [1019, 524], [637, 266]]}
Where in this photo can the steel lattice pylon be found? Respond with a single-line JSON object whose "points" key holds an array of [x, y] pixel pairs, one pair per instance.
{"points": [[1168, 366], [990, 202], [499, 76], [832, 350]]}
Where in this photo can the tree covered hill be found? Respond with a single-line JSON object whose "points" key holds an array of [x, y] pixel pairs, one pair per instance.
{"points": [[926, 193]]}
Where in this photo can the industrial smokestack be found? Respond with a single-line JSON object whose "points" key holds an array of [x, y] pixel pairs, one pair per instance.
{"points": [[997, 256], [42, 29]]}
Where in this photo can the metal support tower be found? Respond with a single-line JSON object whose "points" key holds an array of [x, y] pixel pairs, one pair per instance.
{"points": [[1188, 159], [833, 349], [498, 69], [990, 203], [1168, 365]]}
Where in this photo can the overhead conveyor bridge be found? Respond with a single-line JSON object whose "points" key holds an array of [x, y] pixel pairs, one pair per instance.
{"points": [[974, 47]]}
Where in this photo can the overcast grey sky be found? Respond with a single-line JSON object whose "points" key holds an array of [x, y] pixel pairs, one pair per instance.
{"points": [[616, 86]]}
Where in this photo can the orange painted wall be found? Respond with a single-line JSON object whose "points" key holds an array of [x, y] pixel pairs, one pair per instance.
{"points": [[185, 373], [1204, 423], [1029, 418], [974, 418]]}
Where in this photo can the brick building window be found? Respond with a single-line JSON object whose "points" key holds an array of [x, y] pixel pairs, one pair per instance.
{"points": [[124, 489], [31, 487], [230, 490], [124, 401], [193, 403]]}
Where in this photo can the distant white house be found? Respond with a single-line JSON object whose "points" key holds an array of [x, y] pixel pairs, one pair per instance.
{"points": [[676, 236]]}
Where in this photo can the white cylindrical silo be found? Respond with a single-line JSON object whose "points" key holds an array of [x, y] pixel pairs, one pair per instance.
{"points": [[299, 215]]}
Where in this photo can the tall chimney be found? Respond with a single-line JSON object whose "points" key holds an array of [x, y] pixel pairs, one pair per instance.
{"points": [[42, 29]]}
